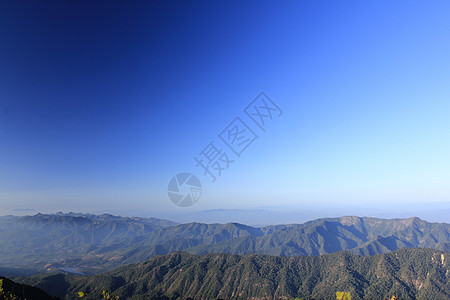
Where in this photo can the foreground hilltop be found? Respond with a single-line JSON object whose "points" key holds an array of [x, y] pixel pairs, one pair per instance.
{"points": [[407, 273], [10, 290]]}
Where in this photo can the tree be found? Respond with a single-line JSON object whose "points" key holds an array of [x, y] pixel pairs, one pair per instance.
{"points": [[82, 294], [343, 296], [6, 295]]}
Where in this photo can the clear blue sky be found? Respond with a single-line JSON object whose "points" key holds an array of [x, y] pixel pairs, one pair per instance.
{"points": [[102, 102]]}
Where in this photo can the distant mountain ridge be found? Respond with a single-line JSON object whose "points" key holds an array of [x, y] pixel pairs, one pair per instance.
{"points": [[42, 239], [93, 244], [407, 273]]}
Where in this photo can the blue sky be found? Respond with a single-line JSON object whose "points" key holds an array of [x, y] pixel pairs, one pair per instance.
{"points": [[101, 103]]}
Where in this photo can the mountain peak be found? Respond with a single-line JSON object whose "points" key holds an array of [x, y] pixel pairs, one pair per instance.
{"points": [[414, 220], [350, 220]]}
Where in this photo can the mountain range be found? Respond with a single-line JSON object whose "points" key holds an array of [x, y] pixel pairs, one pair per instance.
{"points": [[96, 243]]}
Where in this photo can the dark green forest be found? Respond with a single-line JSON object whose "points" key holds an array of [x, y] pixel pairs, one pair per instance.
{"points": [[406, 273]]}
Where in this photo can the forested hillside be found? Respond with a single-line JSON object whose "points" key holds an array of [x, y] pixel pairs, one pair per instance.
{"points": [[407, 273]]}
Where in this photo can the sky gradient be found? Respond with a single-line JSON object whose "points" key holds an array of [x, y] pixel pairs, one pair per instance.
{"points": [[101, 103]]}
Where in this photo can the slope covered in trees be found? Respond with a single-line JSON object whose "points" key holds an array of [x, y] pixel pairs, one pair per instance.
{"points": [[407, 273]]}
